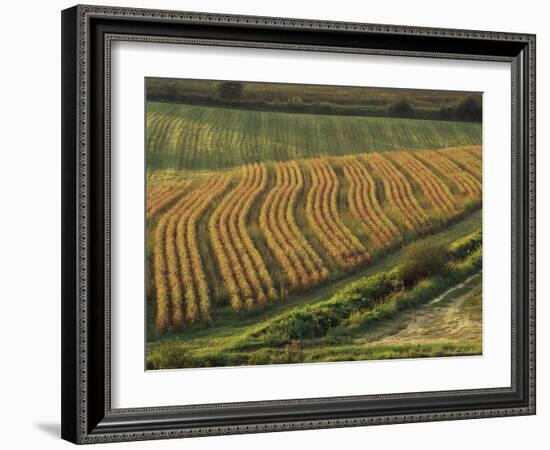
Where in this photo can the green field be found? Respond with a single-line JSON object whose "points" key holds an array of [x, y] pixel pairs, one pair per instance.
{"points": [[192, 137]]}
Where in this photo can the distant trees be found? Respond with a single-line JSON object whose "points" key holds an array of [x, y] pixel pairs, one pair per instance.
{"points": [[469, 109], [402, 108], [229, 90], [463, 107]]}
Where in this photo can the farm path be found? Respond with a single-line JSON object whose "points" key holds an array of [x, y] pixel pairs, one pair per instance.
{"points": [[454, 315]]}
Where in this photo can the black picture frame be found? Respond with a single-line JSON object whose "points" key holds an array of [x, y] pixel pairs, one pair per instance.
{"points": [[87, 32]]}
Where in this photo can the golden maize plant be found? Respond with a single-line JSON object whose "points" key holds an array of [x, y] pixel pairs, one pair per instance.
{"points": [[433, 189], [162, 197], [168, 273], [187, 245], [324, 219], [255, 266], [230, 267], [465, 159], [275, 239], [475, 151], [245, 275], [399, 191], [465, 183], [293, 178], [364, 205], [302, 266]]}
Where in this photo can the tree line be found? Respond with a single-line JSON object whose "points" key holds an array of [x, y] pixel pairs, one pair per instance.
{"points": [[230, 95]]}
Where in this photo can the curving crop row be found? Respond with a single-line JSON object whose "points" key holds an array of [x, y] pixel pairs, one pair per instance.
{"points": [[254, 261], [465, 160], [466, 184], [230, 267], [474, 151], [242, 268], [434, 190], [314, 263], [162, 197], [173, 276], [198, 298], [301, 265], [333, 184], [278, 243], [399, 191], [323, 217], [364, 205]]}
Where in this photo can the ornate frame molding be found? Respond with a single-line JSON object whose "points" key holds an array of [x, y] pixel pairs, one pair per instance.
{"points": [[80, 423]]}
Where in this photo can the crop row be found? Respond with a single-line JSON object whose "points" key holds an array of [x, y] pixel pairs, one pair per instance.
{"points": [[433, 189], [399, 192], [323, 217], [467, 184], [468, 160], [181, 288], [163, 196], [365, 206], [287, 225], [301, 264], [241, 266]]}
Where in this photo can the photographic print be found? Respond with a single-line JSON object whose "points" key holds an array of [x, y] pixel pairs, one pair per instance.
{"points": [[295, 223]]}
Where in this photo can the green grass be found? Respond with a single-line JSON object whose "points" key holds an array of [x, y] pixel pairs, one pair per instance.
{"points": [[393, 351], [183, 136], [232, 342], [449, 325]]}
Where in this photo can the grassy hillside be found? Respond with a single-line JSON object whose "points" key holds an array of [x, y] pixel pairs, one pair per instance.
{"points": [[196, 137]]}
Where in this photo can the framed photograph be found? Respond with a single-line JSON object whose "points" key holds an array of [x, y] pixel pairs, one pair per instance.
{"points": [[281, 224]]}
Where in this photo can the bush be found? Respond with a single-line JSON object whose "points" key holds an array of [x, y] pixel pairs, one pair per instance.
{"points": [[422, 260], [314, 321], [374, 297], [402, 108]]}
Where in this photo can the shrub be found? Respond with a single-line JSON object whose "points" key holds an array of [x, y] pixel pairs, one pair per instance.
{"points": [[422, 260], [401, 108], [314, 321], [379, 295]]}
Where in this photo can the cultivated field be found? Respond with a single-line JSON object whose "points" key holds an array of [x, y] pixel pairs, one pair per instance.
{"points": [[192, 137], [298, 223], [254, 235]]}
